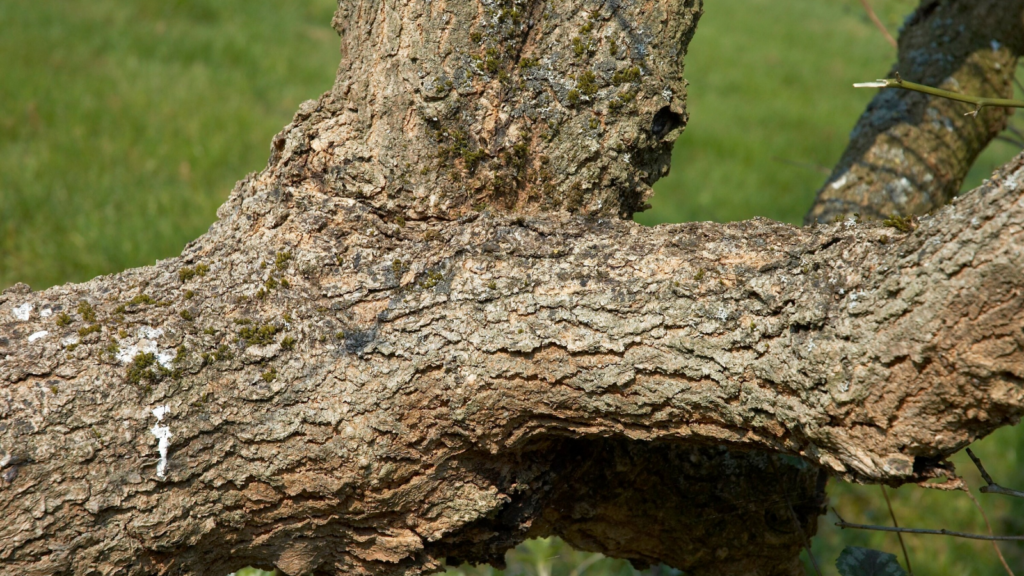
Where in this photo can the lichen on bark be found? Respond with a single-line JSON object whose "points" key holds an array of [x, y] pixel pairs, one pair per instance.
{"points": [[352, 378]]}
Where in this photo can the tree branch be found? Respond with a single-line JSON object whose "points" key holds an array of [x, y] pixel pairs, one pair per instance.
{"points": [[910, 152]]}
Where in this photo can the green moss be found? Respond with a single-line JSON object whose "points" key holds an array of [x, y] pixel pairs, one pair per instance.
{"points": [[904, 224], [476, 37], [186, 273], [145, 367], [400, 221], [258, 335], [243, 321], [269, 376], [573, 97], [141, 299], [187, 315], [626, 75], [86, 311], [288, 343], [433, 279], [492, 285], [83, 332], [582, 47], [63, 319], [71, 347], [180, 356], [281, 260], [121, 309], [528, 63], [699, 275], [223, 353], [586, 28], [270, 284], [340, 335], [189, 294], [397, 266], [210, 331], [587, 83], [594, 123], [613, 48]]}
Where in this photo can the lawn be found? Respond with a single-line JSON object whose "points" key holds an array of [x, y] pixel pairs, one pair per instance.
{"points": [[123, 125]]}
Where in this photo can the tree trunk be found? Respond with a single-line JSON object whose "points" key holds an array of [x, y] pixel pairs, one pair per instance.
{"points": [[354, 371], [909, 153]]}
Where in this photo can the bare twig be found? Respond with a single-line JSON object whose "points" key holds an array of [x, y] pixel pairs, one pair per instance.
{"points": [[1009, 140], [995, 545], [906, 557], [978, 101], [878, 23], [992, 487], [941, 532]]}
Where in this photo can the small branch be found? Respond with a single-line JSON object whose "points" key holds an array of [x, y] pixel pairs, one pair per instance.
{"points": [[878, 23], [978, 101], [992, 487], [906, 557], [941, 532], [995, 545]]}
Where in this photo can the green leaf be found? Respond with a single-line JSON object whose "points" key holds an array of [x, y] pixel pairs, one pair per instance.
{"points": [[856, 561]]}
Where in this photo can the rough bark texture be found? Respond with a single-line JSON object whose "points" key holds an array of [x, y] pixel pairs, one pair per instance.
{"points": [[441, 106], [909, 153], [343, 378]]}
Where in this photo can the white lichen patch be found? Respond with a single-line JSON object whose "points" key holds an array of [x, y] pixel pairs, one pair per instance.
{"points": [[37, 335], [23, 312], [145, 345], [46, 312], [163, 436]]}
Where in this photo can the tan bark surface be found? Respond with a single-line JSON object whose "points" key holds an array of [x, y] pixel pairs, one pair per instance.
{"points": [[909, 153], [352, 380]]}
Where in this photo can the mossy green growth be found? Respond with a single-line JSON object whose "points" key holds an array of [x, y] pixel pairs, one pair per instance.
{"points": [[288, 343], [181, 354], [187, 315], [573, 96], [699, 275], [189, 294], [904, 224], [210, 330], [258, 335], [141, 299], [145, 367], [528, 63], [270, 375], [83, 332], [86, 311], [63, 319], [186, 273], [631, 74], [243, 321], [433, 279], [281, 260]]}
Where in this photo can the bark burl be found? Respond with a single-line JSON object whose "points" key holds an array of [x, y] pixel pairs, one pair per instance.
{"points": [[413, 339]]}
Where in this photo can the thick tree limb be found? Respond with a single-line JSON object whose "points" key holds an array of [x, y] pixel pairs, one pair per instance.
{"points": [[360, 379], [909, 153]]}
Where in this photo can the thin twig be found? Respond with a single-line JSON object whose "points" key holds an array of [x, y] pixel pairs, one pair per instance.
{"points": [[995, 545], [978, 101], [941, 532], [878, 23], [992, 487], [1013, 141], [906, 557]]}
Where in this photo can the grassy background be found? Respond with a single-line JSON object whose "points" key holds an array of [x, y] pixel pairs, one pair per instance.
{"points": [[123, 125]]}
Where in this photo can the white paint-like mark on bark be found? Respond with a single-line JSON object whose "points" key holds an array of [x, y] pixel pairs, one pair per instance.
{"points": [[23, 312], [37, 335], [163, 435]]}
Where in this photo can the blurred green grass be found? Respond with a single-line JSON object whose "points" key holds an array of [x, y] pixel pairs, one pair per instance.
{"points": [[123, 125]]}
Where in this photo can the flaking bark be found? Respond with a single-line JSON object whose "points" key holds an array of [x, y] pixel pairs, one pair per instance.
{"points": [[361, 381], [909, 153]]}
